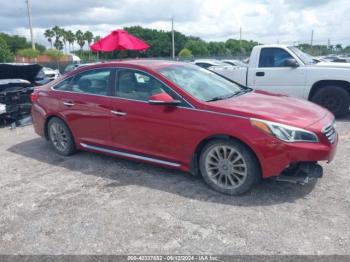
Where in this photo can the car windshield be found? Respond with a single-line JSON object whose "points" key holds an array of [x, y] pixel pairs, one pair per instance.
{"points": [[306, 58], [200, 83]]}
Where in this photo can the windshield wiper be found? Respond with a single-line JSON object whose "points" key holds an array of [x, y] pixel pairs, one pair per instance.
{"points": [[220, 98], [241, 92]]}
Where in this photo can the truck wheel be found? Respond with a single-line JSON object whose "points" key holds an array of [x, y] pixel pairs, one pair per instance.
{"points": [[336, 99], [229, 167]]}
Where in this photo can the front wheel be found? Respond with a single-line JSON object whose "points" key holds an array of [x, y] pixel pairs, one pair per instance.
{"points": [[229, 167]]}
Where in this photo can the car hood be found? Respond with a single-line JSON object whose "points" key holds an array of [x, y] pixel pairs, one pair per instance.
{"points": [[332, 65], [19, 71], [272, 107]]}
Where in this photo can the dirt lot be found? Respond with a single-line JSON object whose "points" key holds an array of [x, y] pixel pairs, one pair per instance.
{"points": [[93, 204]]}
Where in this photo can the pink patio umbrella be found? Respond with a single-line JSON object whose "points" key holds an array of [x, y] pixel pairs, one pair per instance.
{"points": [[119, 40]]}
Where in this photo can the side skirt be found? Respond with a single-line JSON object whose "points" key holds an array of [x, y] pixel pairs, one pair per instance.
{"points": [[129, 155]]}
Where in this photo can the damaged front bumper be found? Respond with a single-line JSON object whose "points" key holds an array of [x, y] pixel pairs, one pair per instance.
{"points": [[301, 173]]}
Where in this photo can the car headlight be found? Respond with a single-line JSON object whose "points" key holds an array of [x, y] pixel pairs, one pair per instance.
{"points": [[284, 132]]}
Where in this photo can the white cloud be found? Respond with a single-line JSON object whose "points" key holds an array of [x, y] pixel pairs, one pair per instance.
{"points": [[266, 21]]}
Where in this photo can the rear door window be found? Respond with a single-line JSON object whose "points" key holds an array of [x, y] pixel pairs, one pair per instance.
{"points": [[91, 82]]}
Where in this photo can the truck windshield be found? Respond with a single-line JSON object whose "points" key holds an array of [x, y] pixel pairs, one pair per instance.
{"points": [[306, 58], [200, 83]]}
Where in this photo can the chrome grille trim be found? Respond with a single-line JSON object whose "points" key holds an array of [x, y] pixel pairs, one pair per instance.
{"points": [[330, 132]]}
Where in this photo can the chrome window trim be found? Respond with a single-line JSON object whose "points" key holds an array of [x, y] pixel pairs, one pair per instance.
{"points": [[146, 102], [129, 155], [116, 68]]}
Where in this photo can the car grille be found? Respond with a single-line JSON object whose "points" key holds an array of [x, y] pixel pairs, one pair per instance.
{"points": [[330, 132]]}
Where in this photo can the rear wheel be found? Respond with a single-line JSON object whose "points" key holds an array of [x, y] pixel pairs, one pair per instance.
{"points": [[61, 137], [229, 167], [336, 99]]}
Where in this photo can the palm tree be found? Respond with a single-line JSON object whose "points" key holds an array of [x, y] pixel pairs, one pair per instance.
{"points": [[63, 33], [79, 35], [97, 38], [58, 34], [71, 39], [49, 34], [88, 36], [58, 44]]}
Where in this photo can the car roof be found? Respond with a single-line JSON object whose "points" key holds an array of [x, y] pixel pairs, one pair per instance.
{"points": [[149, 63]]}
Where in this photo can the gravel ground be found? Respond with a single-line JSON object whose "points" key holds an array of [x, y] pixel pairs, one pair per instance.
{"points": [[95, 204]]}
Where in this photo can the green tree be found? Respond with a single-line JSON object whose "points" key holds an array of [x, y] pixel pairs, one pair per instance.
{"points": [[58, 44], [197, 47], [15, 42], [89, 37], [97, 38], [79, 35], [5, 53], [217, 49], [58, 34], [28, 53], [185, 53], [49, 34], [71, 39], [64, 36]]}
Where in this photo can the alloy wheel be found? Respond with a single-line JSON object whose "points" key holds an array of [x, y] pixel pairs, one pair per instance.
{"points": [[58, 136], [226, 167]]}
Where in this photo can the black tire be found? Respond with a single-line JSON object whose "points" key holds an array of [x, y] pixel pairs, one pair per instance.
{"points": [[67, 146], [252, 167], [336, 99]]}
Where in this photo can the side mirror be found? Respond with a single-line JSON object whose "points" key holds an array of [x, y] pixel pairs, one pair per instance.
{"points": [[291, 62], [163, 99]]}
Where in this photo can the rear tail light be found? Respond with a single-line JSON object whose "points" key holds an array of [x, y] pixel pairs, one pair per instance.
{"points": [[34, 96]]}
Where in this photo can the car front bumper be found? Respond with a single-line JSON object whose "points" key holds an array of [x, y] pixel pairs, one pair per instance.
{"points": [[282, 155]]}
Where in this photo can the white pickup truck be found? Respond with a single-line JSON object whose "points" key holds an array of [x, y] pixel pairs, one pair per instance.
{"points": [[287, 70]]}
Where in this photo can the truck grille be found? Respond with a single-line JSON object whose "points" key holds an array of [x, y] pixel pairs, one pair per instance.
{"points": [[330, 132]]}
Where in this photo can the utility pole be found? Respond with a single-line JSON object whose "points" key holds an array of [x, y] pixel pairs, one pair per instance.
{"points": [[173, 38], [240, 43], [29, 12], [312, 37], [240, 37]]}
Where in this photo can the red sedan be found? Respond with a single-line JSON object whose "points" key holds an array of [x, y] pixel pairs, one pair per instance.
{"points": [[181, 116]]}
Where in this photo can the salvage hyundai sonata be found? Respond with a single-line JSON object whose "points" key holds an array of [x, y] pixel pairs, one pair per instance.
{"points": [[181, 116]]}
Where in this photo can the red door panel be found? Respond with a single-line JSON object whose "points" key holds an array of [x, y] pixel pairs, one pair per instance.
{"points": [[88, 116], [156, 130]]}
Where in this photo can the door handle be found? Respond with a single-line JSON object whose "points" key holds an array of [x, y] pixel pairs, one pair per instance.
{"points": [[260, 73], [68, 103], [118, 113]]}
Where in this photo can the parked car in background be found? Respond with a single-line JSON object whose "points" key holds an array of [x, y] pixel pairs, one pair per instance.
{"points": [[235, 62], [287, 70], [206, 63], [182, 116], [50, 73], [335, 58], [75, 66], [17, 82]]}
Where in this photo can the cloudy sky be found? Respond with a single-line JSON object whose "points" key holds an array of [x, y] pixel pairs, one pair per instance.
{"points": [[266, 21]]}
